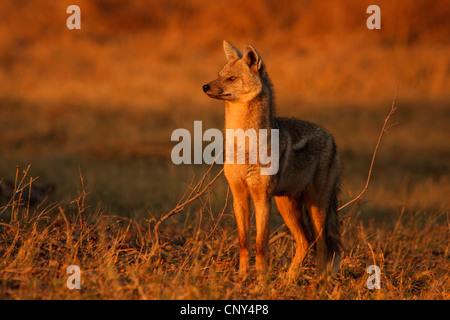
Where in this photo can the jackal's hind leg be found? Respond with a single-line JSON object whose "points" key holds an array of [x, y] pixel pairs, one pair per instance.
{"points": [[318, 221], [291, 211], [327, 247]]}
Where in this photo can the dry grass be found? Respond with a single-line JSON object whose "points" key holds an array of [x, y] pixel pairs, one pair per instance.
{"points": [[199, 261]]}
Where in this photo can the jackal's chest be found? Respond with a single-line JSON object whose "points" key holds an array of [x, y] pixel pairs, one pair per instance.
{"points": [[250, 175]]}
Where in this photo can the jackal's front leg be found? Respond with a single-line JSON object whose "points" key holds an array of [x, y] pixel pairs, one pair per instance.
{"points": [[241, 205], [262, 216]]}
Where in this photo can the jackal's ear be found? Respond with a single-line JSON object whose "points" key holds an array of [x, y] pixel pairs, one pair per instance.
{"points": [[252, 58], [230, 51]]}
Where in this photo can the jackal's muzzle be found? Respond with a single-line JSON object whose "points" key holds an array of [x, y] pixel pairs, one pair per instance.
{"points": [[215, 92]]}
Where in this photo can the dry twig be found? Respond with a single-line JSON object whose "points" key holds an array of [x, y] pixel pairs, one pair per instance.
{"points": [[384, 130], [181, 206]]}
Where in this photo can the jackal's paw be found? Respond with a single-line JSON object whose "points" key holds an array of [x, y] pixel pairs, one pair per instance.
{"points": [[243, 273], [291, 274]]}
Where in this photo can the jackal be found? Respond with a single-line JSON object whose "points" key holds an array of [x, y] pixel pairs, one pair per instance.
{"points": [[307, 181]]}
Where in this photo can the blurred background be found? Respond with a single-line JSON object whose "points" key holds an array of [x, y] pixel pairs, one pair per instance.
{"points": [[106, 98], [151, 54]]}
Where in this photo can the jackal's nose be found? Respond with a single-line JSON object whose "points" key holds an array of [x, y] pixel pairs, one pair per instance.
{"points": [[206, 87]]}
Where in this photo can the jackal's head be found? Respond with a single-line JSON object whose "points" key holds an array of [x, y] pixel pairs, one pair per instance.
{"points": [[241, 79]]}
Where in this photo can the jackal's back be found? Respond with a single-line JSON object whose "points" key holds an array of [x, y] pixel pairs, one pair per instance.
{"points": [[305, 148]]}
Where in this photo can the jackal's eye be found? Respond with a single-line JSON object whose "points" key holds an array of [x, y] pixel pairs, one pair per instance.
{"points": [[232, 78]]}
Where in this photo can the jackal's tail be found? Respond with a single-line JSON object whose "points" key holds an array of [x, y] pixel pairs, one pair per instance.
{"points": [[332, 226]]}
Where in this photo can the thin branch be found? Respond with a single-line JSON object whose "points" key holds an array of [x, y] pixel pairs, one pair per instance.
{"points": [[181, 206], [278, 236], [220, 216], [384, 130]]}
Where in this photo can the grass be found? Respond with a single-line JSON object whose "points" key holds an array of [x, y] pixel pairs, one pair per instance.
{"points": [[199, 259]]}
